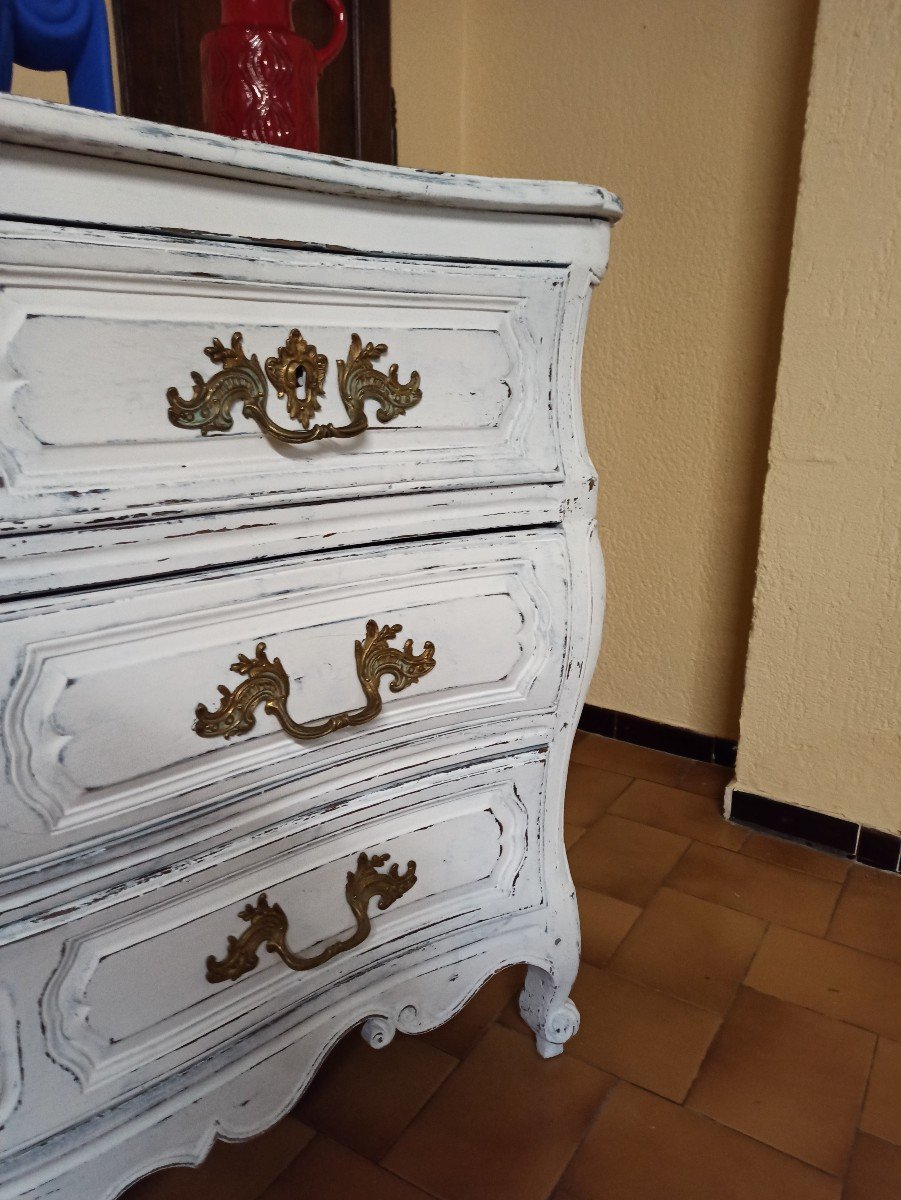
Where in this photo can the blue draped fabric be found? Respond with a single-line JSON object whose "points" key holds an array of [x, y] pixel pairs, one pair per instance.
{"points": [[60, 35]]}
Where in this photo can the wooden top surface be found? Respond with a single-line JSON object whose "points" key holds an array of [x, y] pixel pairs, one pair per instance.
{"points": [[74, 130]]}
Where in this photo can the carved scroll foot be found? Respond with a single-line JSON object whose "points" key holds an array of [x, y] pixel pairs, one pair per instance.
{"points": [[378, 1032], [546, 1008]]}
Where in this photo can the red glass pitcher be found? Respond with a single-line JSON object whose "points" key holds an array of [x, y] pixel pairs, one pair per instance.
{"points": [[260, 79]]}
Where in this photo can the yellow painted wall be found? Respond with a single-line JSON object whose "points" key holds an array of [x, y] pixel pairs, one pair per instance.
{"points": [[52, 85], [40, 85], [821, 718], [692, 111], [427, 47]]}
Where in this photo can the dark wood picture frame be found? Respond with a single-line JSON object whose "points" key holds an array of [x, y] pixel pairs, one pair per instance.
{"points": [[158, 44]]}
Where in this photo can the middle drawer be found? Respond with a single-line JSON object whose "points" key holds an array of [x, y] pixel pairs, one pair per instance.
{"points": [[100, 691]]}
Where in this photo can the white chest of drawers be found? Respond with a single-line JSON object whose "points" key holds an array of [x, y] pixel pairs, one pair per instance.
{"points": [[200, 892]]}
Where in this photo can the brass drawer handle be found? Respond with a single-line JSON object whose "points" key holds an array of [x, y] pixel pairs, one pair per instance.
{"points": [[268, 923], [267, 683], [241, 378]]}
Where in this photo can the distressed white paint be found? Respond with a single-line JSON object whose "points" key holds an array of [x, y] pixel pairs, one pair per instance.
{"points": [[33, 123], [107, 336], [104, 1041], [129, 844], [98, 695], [10, 1058]]}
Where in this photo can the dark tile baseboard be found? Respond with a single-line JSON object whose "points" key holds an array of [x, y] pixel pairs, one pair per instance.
{"points": [[654, 735], [872, 847]]}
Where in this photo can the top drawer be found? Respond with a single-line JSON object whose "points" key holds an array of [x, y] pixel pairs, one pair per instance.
{"points": [[95, 331]]}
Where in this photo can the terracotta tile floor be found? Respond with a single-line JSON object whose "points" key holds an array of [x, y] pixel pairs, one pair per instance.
{"points": [[741, 1035]]}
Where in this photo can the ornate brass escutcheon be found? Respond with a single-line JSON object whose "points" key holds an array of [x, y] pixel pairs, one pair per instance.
{"points": [[242, 379], [268, 923], [267, 683]]}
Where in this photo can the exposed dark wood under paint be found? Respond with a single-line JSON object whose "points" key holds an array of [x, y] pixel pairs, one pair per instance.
{"points": [[158, 45]]}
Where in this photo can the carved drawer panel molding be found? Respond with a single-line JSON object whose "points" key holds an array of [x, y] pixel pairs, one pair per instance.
{"points": [[130, 1001], [108, 341], [300, 597], [10, 1058], [102, 691]]}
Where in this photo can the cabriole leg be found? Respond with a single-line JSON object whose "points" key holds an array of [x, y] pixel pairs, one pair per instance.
{"points": [[546, 1008]]}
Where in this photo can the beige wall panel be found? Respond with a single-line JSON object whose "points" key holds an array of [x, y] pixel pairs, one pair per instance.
{"points": [[40, 85], [427, 52], [821, 718], [693, 111]]}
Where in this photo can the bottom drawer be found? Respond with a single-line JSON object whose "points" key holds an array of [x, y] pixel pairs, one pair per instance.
{"points": [[300, 914]]}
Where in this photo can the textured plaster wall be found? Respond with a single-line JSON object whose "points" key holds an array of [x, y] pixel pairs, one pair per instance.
{"points": [[821, 717], [692, 110]]}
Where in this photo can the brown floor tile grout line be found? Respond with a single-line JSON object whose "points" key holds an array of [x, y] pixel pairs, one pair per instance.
{"points": [[317, 1134], [713, 1041], [589, 1125], [320, 1133], [876, 1036], [595, 1116], [713, 845], [838, 899], [664, 882], [451, 1073], [677, 787], [768, 925], [824, 937], [421, 1186], [723, 1016], [289, 1116], [863, 1099], [740, 850], [883, 958], [459, 1062], [662, 992], [683, 1104], [748, 830], [494, 1023], [632, 779], [776, 1150], [576, 841], [617, 1080], [818, 1012]]}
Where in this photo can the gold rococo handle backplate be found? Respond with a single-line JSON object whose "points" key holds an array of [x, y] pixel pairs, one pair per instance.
{"points": [[268, 924], [242, 379], [266, 683]]}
